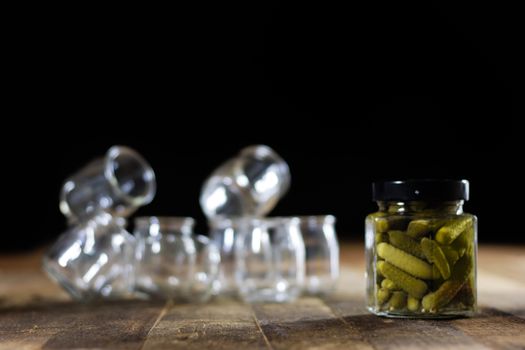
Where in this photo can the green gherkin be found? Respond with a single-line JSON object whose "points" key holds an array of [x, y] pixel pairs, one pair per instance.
{"points": [[436, 256], [441, 297], [450, 231], [448, 290], [413, 304], [406, 262], [465, 241], [381, 237], [466, 294], [382, 295], [397, 301], [401, 240], [381, 225], [451, 255], [423, 227], [462, 269], [418, 228], [413, 286], [389, 284]]}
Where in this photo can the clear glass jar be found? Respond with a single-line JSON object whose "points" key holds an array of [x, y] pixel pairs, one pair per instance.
{"points": [[322, 253], [421, 250], [269, 257], [249, 184], [173, 263], [223, 232], [93, 260], [118, 183], [164, 256], [205, 270]]}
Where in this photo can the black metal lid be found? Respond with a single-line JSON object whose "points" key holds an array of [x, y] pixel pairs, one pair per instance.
{"points": [[420, 190]]}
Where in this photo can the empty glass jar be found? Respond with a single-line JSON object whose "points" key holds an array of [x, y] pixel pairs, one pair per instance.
{"points": [[93, 259], [172, 263], [205, 270], [322, 253], [421, 250], [223, 232], [269, 256], [117, 183], [248, 185]]}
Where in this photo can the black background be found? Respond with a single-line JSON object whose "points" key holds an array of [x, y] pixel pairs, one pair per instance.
{"points": [[346, 94]]}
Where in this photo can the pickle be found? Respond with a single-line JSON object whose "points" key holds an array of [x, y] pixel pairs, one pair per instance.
{"points": [[418, 228], [435, 255], [464, 243], [441, 297], [451, 230], [451, 255], [423, 227], [448, 290], [413, 286], [397, 301], [389, 284], [413, 304], [470, 238], [437, 276], [406, 262], [460, 244], [399, 239], [466, 295], [381, 237], [462, 269], [382, 295], [381, 225]]}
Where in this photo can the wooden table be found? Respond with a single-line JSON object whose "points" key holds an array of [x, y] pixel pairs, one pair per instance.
{"points": [[36, 314]]}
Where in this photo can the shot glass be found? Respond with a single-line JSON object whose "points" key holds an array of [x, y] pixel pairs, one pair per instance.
{"points": [[322, 253], [93, 260], [117, 183], [270, 260], [249, 184]]}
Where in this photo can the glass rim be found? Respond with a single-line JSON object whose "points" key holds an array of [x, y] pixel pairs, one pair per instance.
{"points": [[164, 221], [109, 171], [312, 218], [229, 220]]}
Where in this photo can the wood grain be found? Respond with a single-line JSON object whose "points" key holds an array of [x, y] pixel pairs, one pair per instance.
{"points": [[223, 325], [385, 333], [494, 328], [307, 323], [37, 314], [115, 325]]}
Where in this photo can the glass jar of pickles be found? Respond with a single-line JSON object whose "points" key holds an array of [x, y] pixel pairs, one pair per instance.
{"points": [[421, 250]]}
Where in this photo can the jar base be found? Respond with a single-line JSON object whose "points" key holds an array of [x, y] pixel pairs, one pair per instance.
{"points": [[429, 316]]}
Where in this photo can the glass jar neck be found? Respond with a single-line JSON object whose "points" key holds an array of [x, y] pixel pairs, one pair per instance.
{"points": [[438, 207]]}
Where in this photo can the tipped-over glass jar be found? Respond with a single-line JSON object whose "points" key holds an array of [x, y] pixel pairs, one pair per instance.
{"points": [[249, 184], [93, 260], [118, 183], [421, 250]]}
